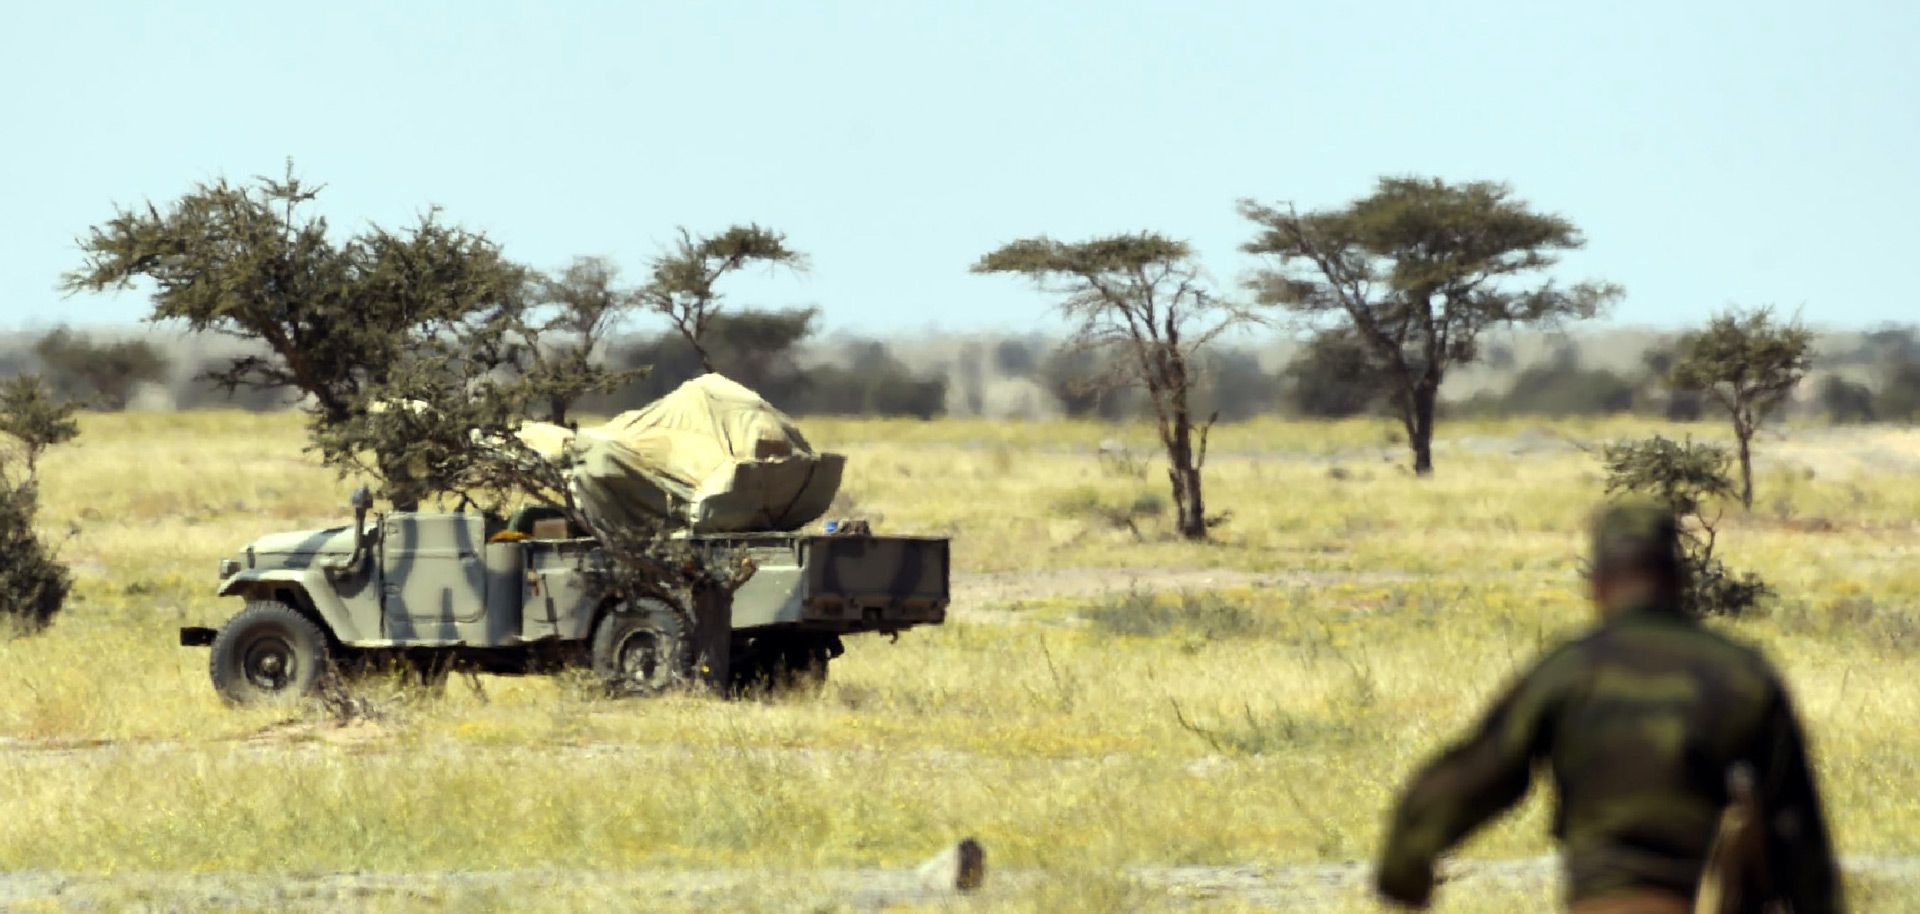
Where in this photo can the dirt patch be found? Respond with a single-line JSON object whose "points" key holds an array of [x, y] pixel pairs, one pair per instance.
{"points": [[1296, 887], [356, 732]]}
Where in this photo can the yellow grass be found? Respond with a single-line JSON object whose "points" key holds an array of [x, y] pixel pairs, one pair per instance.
{"points": [[1357, 616]]}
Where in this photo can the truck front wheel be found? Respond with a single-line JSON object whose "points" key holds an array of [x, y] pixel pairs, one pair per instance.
{"points": [[266, 653], [642, 648]]}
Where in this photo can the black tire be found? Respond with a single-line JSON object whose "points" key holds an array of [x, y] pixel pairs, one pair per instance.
{"points": [[268, 653], [806, 662], [779, 663], [642, 648]]}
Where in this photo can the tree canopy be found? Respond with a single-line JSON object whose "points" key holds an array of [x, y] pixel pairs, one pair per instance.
{"points": [[565, 333], [684, 283], [250, 261], [338, 318], [1415, 272]]}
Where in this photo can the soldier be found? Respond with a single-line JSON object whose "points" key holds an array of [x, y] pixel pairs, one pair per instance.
{"points": [[1649, 724]]}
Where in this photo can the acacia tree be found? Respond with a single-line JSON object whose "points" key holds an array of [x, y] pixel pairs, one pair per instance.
{"points": [[1415, 272], [683, 287], [1748, 363], [1138, 304], [564, 332], [334, 317]]}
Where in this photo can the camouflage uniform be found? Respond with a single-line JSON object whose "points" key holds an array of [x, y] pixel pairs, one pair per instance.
{"points": [[1639, 723]]}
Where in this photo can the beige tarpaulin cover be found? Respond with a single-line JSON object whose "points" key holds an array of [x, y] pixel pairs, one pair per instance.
{"points": [[712, 454]]}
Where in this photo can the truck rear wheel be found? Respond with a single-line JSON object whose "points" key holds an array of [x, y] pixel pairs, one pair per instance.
{"points": [[783, 662], [642, 648], [268, 652]]}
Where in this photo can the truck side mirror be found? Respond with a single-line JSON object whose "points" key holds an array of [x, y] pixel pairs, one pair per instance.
{"points": [[360, 501]]}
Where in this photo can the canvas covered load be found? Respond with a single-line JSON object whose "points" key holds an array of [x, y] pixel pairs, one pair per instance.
{"points": [[712, 455]]}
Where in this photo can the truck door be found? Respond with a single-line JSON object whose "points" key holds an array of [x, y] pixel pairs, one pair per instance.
{"points": [[434, 582]]}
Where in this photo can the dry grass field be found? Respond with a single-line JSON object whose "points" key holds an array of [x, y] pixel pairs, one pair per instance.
{"points": [[1348, 618]]}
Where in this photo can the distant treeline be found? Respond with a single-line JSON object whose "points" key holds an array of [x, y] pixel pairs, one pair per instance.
{"points": [[1857, 377]]}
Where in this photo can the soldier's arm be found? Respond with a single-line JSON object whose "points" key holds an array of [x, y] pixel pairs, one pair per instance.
{"points": [[1469, 784], [1801, 855]]}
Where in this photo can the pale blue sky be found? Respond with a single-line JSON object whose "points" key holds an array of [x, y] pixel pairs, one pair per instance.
{"points": [[1714, 153]]}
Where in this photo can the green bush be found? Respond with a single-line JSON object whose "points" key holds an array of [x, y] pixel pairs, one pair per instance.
{"points": [[1119, 510], [33, 584], [1545, 391], [1899, 396], [1558, 390], [1692, 480], [1846, 401], [102, 374], [1334, 377]]}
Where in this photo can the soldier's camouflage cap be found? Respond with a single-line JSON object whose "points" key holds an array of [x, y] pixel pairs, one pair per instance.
{"points": [[1636, 534]]}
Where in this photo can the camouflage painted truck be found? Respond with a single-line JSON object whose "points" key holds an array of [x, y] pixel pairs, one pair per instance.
{"points": [[525, 594]]}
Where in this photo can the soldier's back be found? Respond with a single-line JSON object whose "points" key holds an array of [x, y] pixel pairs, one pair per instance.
{"points": [[1649, 714]]}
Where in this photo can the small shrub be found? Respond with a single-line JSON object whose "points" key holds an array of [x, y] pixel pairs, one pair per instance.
{"points": [[1117, 510], [33, 583], [1204, 615], [1259, 732], [1118, 461], [1136, 613], [1899, 397], [1845, 401], [1334, 376], [1714, 589], [1691, 480]]}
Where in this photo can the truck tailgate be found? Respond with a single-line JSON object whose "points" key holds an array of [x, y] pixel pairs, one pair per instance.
{"points": [[875, 579]]}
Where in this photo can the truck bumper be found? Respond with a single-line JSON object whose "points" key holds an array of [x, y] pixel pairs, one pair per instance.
{"points": [[848, 617], [198, 636]]}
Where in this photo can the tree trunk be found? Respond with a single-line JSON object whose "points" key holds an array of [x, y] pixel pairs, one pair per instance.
{"points": [[1189, 502], [1189, 505], [712, 636], [1745, 438], [1420, 427], [400, 487]]}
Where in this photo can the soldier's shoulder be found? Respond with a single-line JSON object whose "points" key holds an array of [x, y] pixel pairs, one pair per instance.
{"points": [[1679, 642], [1737, 651], [1572, 657], [1763, 668]]}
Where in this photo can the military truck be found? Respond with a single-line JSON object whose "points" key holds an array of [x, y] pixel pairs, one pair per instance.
{"points": [[526, 594], [440, 591]]}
